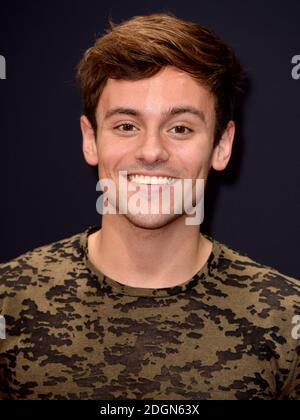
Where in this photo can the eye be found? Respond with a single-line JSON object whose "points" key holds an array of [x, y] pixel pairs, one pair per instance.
{"points": [[181, 129], [127, 127]]}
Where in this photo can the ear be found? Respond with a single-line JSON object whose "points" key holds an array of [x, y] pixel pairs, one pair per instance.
{"points": [[89, 145], [222, 152]]}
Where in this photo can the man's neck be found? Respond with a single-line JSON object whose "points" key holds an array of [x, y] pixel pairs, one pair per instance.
{"points": [[148, 258]]}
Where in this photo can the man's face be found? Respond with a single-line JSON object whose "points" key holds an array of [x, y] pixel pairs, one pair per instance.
{"points": [[159, 126]]}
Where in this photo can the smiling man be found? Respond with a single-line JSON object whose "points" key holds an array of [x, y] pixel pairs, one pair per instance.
{"points": [[161, 127], [146, 306]]}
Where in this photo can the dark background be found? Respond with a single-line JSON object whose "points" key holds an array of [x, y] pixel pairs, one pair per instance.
{"points": [[47, 190]]}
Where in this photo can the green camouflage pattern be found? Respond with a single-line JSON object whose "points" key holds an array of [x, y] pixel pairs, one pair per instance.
{"points": [[72, 333]]}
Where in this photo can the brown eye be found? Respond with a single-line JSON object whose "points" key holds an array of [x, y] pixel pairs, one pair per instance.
{"points": [[181, 129], [126, 127]]}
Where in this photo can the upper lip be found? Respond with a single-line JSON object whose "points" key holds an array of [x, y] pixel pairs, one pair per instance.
{"points": [[157, 174]]}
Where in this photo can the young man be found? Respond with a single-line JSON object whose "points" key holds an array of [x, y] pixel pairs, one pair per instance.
{"points": [[147, 307]]}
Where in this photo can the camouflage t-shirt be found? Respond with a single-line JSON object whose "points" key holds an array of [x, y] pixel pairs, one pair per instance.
{"points": [[72, 333]]}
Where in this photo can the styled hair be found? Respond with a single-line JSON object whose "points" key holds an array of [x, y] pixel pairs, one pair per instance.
{"points": [[141, 46]]}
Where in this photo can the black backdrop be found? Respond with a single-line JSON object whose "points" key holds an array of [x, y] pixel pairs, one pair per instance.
{"points": [[47, 190]]}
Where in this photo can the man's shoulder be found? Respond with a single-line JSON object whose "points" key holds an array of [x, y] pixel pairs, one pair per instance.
{"points": [[41, 262], [239, 269]]}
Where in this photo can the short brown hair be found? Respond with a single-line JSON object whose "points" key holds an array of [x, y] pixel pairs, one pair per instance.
{"points": [[138, 48]]}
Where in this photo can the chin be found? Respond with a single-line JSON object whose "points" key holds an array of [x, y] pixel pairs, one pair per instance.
{"points": [[155, 221]]}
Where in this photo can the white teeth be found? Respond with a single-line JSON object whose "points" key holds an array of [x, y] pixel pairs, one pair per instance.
{"points": [[153, 180]]}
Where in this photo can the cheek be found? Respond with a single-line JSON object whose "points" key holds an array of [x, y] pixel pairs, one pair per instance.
{"points": [[196, 161], [108, 153], [111, 156]]}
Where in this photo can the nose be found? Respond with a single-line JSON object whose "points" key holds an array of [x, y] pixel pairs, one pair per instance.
{"points": [[152, 148]]}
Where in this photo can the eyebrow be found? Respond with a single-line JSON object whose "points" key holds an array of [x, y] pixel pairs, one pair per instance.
{"points": [[178, 110]]}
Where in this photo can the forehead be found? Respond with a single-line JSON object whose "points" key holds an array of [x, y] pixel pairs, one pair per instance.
{"points": [[169, 87]]}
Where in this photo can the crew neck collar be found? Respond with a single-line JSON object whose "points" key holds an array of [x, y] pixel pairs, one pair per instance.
{"points": [[118, 288]]}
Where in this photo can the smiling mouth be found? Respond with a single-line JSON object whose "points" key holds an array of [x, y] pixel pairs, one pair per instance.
{"points": [[151, 180]]}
